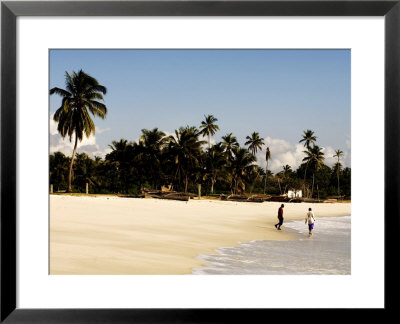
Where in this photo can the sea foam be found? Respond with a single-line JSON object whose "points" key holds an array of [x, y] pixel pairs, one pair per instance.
{"points": [[327, 251]]}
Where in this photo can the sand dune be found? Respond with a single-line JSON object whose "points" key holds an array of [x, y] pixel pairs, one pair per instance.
{"points": [[111, 235]]}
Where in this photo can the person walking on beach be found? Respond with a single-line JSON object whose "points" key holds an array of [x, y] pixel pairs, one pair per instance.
{"points": [[280, 217], [310, 219]]}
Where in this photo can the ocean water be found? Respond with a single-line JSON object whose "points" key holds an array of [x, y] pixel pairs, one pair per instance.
{"points": [[327, 251]]}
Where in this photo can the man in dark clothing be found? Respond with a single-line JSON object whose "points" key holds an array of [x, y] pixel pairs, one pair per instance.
{"points": [[280, 217]]}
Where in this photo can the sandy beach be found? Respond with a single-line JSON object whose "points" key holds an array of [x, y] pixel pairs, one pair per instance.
{"points": [[111, 235]]}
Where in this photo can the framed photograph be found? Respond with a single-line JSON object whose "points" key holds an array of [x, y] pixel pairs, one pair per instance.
{"points": [[197, 161]]}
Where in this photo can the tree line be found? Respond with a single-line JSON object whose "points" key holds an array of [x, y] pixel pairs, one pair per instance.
{"points": [[182, 160]]}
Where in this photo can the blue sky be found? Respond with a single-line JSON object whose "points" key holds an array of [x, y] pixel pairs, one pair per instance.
{"points": [[278, 93]]}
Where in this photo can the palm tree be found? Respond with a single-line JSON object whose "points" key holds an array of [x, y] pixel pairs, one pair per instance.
{"points": [[78, 100], [279, 179], [267, 158], [58, 169], [338, 154], [153, 139], [240, 167], [255, 172], [186, 149], [254, 142], [85, 172], [152, 142], [314, 158], [209, 128], [287, 169], [118, 146], [215, 163], [308, 138], [121, 156], [229, 144], [285, 176]]}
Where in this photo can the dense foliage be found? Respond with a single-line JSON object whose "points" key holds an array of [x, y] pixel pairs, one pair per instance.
{"points": [[185, 160]]}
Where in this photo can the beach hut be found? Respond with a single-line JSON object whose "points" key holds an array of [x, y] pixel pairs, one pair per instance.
{"points": [[295, 193]]}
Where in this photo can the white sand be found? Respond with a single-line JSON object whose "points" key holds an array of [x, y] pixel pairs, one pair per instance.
{"points": [[111, 235]]}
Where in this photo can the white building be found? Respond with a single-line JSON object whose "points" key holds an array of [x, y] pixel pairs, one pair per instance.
{"points": [[295, 194]]}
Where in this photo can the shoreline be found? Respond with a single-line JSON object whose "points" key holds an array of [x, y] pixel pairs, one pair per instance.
{"points": [[112, 235], [291, 257]]}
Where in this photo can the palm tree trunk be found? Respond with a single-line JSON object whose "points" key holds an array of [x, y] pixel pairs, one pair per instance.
{"points": [[338, 187], [176, 173], [69, 189], [186, 183], [312, 188], [265, 183], [305, 173], [265, 180]]}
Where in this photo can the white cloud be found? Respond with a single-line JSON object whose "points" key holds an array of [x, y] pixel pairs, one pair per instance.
{"points": [[345, 160], [64, 145], [53, 126], [284, 152], [102, 130], [329, 152], [278, 145]]}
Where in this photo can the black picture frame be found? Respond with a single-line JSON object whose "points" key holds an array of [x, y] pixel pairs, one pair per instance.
{"points": [[10, 10]]}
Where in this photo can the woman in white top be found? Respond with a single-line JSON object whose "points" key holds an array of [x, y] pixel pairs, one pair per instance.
{"points": [[310, 219]]}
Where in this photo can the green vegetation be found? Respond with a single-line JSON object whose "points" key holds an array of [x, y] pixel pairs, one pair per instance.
{"points": [[182, 161], [78, 99], [338, 166], [209, 128]]}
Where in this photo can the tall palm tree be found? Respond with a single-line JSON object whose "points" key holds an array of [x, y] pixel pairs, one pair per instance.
{"points": [[229, 144], [254, 142], [308, 138], [208, 127], [315, 158], [267, 158], [78, 100], [338, 154]]}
